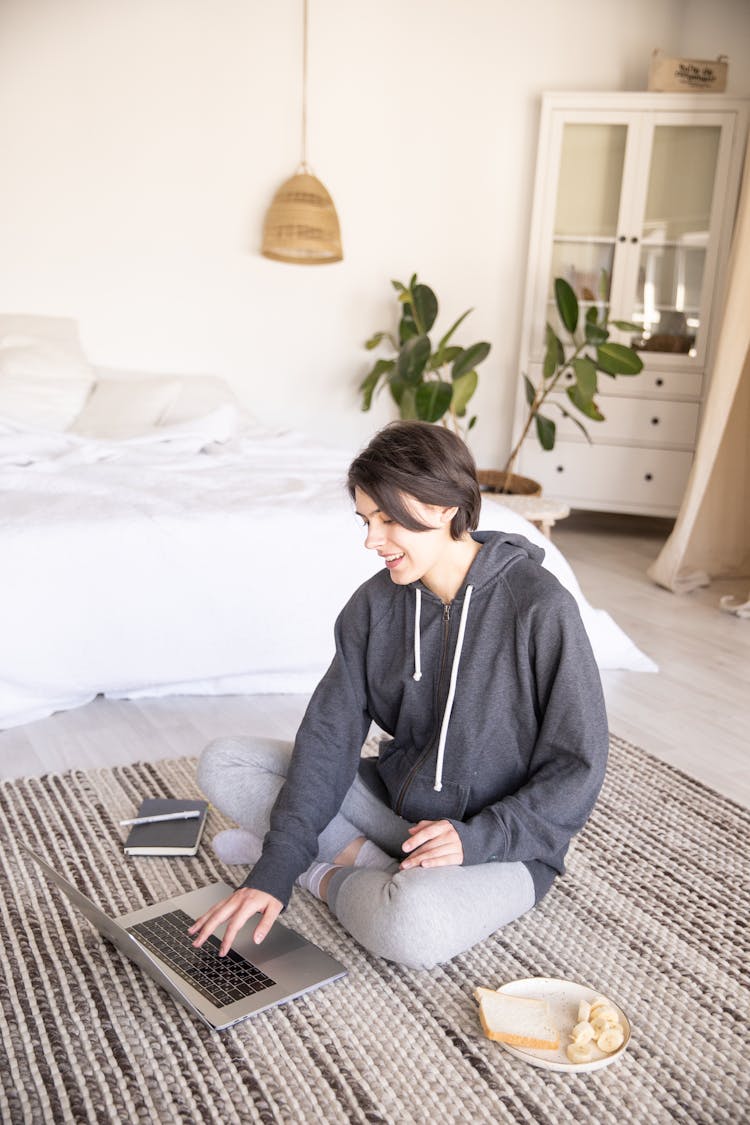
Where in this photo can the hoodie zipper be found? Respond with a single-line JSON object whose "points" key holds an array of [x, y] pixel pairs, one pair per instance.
{"points": [[430, 745]]}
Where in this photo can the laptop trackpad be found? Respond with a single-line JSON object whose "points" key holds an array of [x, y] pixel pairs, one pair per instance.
{"points": [[279, 942]]}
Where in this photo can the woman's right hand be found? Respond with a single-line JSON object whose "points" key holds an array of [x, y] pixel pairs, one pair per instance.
{"points": [[235, 911]]}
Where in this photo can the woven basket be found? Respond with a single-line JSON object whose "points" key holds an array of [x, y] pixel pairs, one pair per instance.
{"points": [[302, 225], [496, 480]]}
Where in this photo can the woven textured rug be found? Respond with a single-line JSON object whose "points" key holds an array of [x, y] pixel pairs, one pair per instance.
{"points": [[653, 911]]}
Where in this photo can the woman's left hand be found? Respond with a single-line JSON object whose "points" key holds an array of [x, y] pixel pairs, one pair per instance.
{"points": [[434, 843]]}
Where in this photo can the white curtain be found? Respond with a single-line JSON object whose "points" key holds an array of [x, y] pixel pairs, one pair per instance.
{"points": [[711, 537]]}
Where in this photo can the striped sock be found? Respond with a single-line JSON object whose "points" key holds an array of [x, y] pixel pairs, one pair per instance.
{"points": [[311, 879]]}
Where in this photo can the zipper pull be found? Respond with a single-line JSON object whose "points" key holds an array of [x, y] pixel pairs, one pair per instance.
{"points": [[446, 613]]}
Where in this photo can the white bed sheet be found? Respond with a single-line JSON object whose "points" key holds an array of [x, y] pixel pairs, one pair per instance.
{"points": [[204, 558]]}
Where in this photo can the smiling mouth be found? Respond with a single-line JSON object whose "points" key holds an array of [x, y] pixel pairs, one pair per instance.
{"points": [[392, 560]]}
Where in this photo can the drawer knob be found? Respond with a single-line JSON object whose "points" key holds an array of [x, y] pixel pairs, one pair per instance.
{"points": [[648, 476], [654, 421], [561, 468], [660, 382]]}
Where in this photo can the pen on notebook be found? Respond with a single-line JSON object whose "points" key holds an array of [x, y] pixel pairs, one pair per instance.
{"points": [[191, 814]]}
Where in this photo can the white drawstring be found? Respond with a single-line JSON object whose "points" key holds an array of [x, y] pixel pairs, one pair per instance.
{"points": [[417, 675], [451, 692]]}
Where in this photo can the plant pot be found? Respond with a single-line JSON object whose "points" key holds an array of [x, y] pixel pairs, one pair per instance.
{"points": [[511, 484]]}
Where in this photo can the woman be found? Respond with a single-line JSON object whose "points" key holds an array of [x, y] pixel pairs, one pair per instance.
{"points": [[473, 658]]}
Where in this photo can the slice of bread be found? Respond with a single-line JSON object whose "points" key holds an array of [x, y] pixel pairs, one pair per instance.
{"points": [[517, 1020]]}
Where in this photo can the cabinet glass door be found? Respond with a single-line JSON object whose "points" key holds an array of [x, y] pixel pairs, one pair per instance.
{"points": [[587, 213], [675, 237]]}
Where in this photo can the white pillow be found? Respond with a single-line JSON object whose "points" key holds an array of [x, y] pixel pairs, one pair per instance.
{"points": [[55, 329], [126, 408], [42, 384], [200, 395]]}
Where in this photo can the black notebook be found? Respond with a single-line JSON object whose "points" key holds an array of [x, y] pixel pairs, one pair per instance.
{"points": [[167, 837]]}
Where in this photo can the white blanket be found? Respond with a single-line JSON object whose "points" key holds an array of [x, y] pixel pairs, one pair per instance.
{"points": [[204, 558]]}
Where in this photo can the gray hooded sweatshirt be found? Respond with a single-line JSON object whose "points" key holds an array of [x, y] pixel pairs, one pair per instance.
{"points": [[493, 707]]}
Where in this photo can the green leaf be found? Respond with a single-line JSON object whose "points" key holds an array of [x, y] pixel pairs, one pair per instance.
{"points": [[407, 329], [472, 422], [554, 355], [585, 373], [586, 406], [617, 359], [440, 357], [432, 400], [470, 358], [567, 304], [595, 333], [627, 326], [367, 388], [530, 390], [398, 286], [463, 388], [412, 359], [452, 329], [406, 401], [566, 414], [375, 340], [371, 380], [545, 431], [425, 307]]}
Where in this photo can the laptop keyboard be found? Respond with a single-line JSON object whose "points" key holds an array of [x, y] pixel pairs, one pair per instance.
{"points": [[222, 980]]}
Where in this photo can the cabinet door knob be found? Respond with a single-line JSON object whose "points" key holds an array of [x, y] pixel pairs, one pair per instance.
{"points": [[648, 476], [654, 421], [621, 238], [660, 382], [560, 468], [633, 239]]}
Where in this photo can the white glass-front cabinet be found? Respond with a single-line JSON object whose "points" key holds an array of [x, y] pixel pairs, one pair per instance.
{"points": [[634, 203]]}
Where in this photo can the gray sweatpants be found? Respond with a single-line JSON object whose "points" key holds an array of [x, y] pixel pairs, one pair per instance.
{"points": [[419, 917]]}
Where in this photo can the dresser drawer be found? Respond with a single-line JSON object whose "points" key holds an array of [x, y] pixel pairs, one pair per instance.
{"points": [[640, 421], [649, 384], [609, 477]]}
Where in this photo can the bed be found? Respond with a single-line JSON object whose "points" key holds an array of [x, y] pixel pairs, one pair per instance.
{"points": [[156, 540]]}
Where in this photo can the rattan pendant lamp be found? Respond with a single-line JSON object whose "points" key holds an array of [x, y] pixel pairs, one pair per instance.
{"points": [[301, 225]]}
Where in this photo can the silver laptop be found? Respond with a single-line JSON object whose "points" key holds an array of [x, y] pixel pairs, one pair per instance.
{"points": [[220, 990]]}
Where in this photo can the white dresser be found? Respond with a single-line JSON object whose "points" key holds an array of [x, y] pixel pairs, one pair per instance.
{"points": [[634, 202]]}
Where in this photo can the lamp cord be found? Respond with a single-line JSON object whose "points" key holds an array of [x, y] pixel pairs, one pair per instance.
{"points": [[305, 166]]}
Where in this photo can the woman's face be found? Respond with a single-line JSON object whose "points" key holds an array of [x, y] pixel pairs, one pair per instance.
{"points": [[408, 555]]}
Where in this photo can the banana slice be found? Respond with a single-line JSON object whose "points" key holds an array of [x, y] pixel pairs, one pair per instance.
{"points": [[610, 1039], [584, 1011], [605, 1017], [578, 1052], [583, 1032]]}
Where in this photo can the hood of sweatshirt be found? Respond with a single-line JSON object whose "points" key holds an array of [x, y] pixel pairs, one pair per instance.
{"points": [[500, 552]]}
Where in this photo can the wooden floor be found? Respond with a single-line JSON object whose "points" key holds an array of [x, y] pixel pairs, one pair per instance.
{"points": [[695, 713]]}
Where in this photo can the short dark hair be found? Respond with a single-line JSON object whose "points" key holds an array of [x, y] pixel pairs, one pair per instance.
{"points": [[422, 460]]}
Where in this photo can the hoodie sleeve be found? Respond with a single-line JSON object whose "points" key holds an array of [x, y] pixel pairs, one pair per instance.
{"points": [[567, 763], [324, 761]]}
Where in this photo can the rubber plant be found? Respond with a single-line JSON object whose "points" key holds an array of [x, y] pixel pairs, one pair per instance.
{"points": [[590, 352], [433, 383]]}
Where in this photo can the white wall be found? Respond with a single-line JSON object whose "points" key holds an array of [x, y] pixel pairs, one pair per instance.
{"points": [[141, 142]]}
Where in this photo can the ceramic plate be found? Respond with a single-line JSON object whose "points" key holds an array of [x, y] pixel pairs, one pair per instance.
{"points": [[563, 997]]}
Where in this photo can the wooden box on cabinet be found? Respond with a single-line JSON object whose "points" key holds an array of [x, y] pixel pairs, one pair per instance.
{"points": [[633, 204]]}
